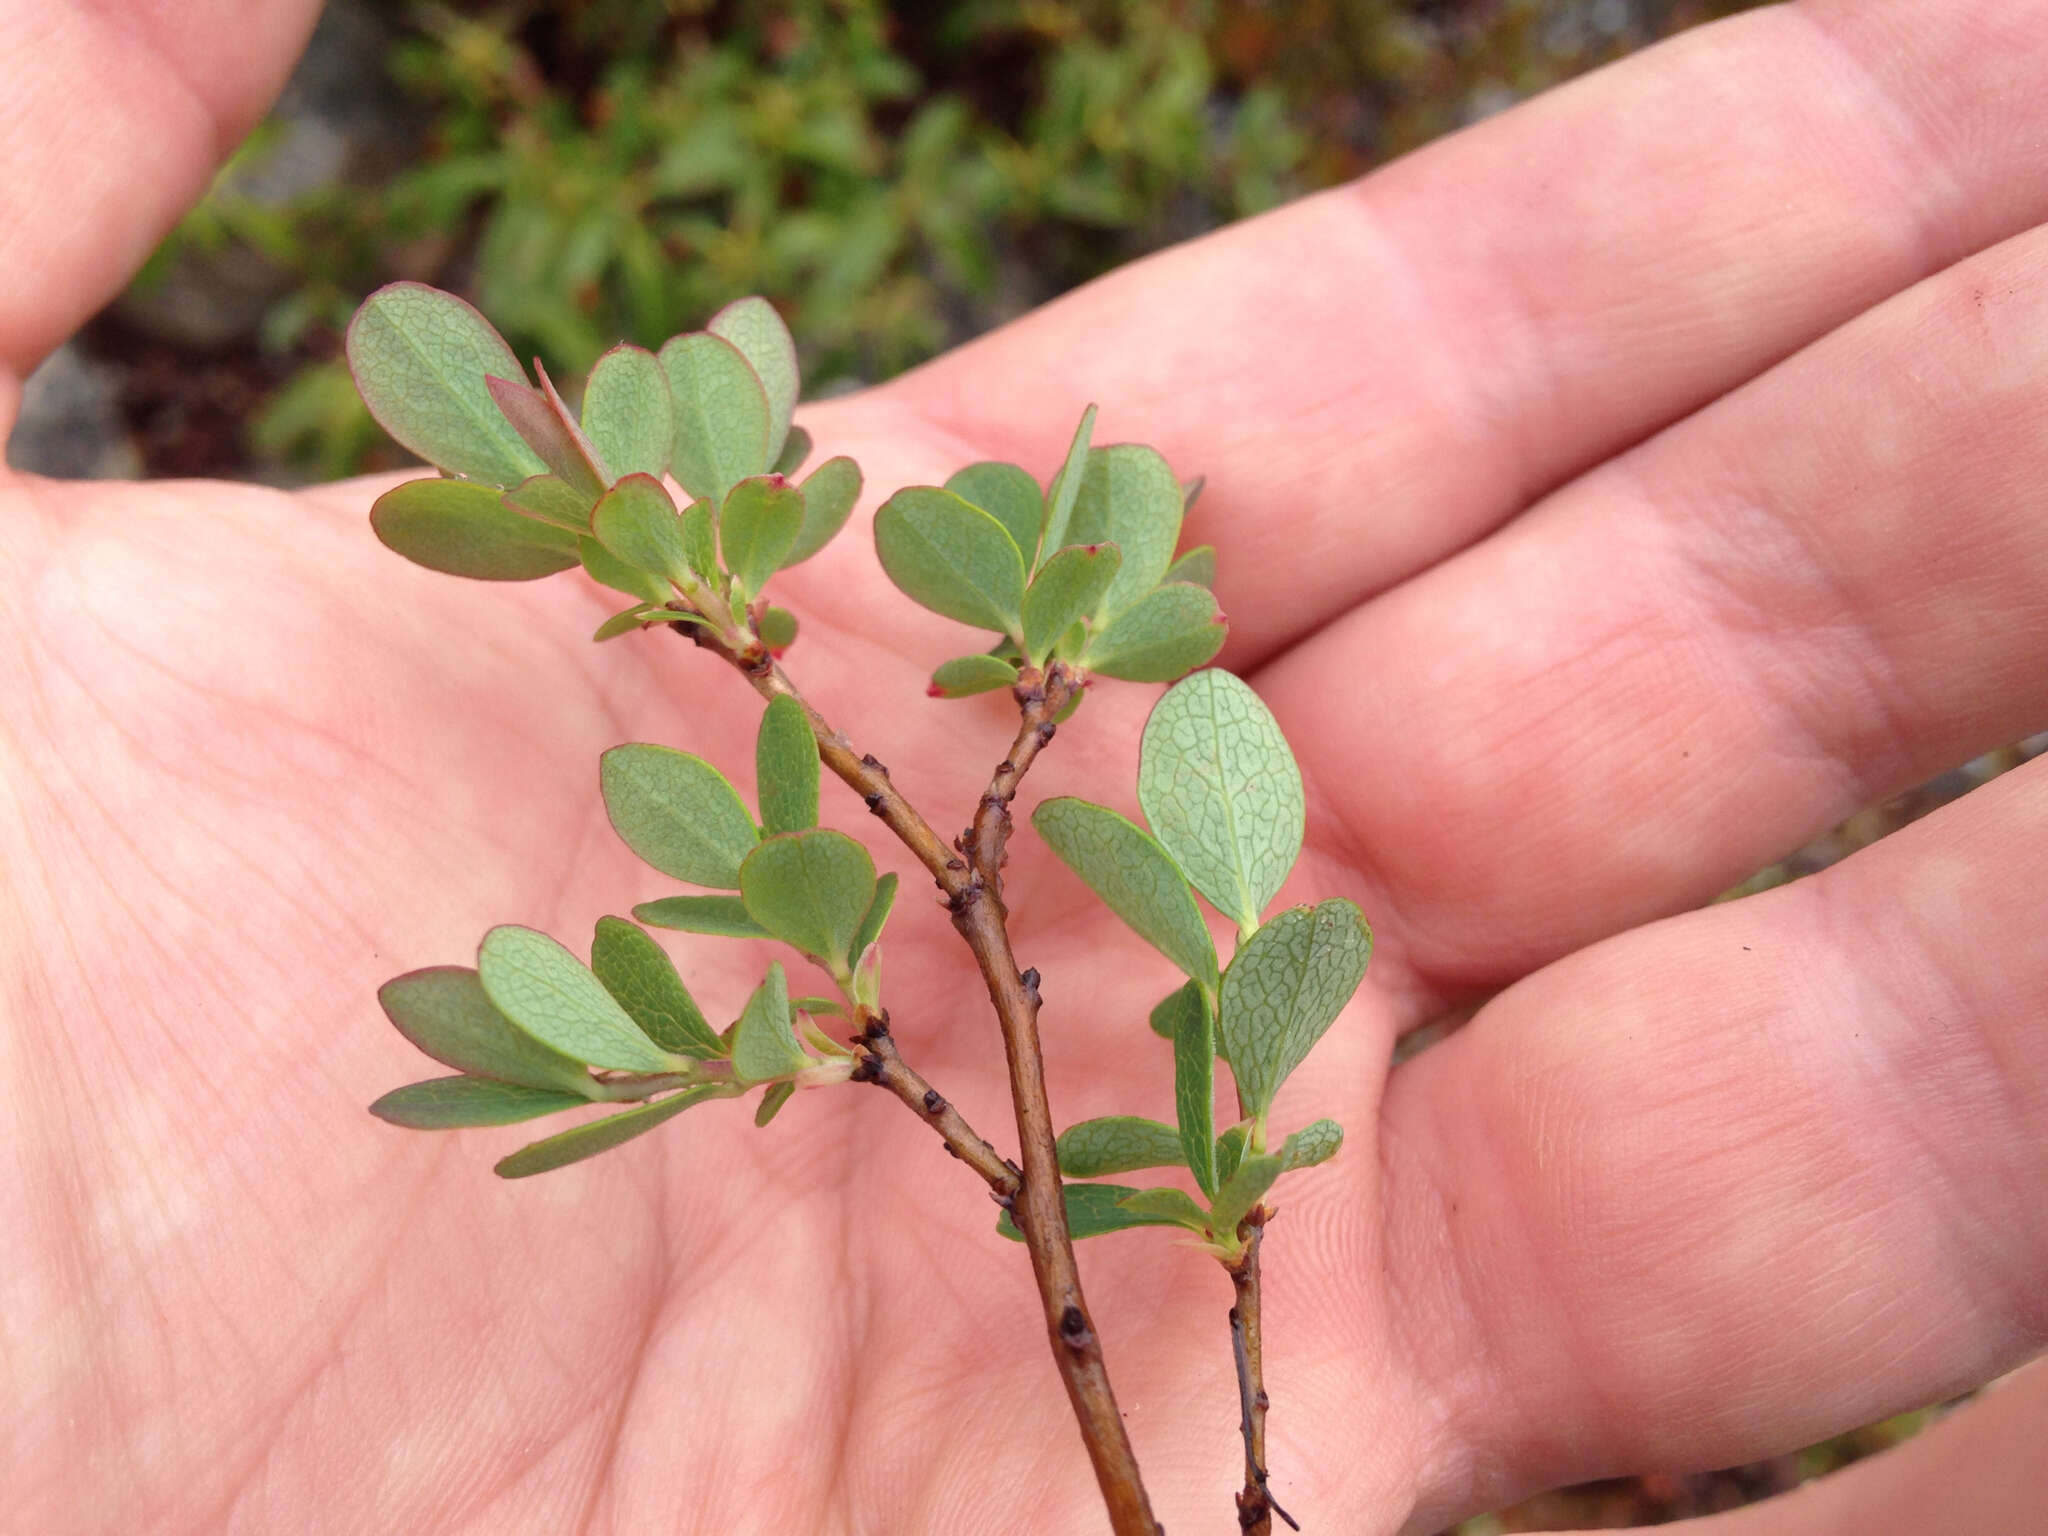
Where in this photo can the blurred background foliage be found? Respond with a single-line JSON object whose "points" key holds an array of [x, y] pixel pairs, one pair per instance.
{"points": [[895, 176]]}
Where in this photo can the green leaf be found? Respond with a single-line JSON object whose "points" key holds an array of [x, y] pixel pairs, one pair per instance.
{"points": [[1128, 497], [640, 976], [637, 522], [777, 629], [447, 1103], [445, 1012], [753, 326], [772, 1102], [723, 915], [1190, 493], [1314, 1143], [1066, 486], [1093, 1209], [952, 558], [1197, 567], [608, 570], [763, 1045], [1169, 631], [1117, 1144], [786, 768], [547, 498], [1222, 792], [552, 995], [1230, 1151], [721, 415], [597, 1136], [540, 417], [795, 449], [678, 813], [1010, 496], [1286, 985], [420, 357], [877, 914], [463, 529], [1194, 1083], [818, 1005], [627, 413], [965, 675], [1165, 1205], [700, 543], [1134, 876], [757, 526], [811, 890], [829, 495], [1067, 589]]}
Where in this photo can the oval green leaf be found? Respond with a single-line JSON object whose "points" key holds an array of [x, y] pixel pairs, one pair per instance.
{"points": [[1245, 1188], [951, 557], [1286, 985], [777, 629], [678, 813], [1316, 1142], [1128, 497], [1133, 875], [1117, 1144], [753, 326], [725, 916], [627, 412], [420, 357], [1093, 1209], [601, 1135], [1222, 792], [446, 1013], [451, 1103], [608, 570], [637, 522], [763, 1042], [642, 980], [547, 498], [464, 529], [967, 675], [811, 890], [721, 415], [1068, 589], [1194, 1081], [1197, 567], [786, 768], [552, 995], [877, 914], [1169, 631], [795, 449], [757, 527], [829, 495], [1010, 496]]}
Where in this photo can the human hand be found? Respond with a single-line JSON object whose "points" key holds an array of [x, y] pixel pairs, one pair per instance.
{"points": [[1608, 498]]}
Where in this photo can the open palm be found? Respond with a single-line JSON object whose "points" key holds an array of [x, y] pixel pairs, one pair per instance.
{"points": [[1607, 498]]}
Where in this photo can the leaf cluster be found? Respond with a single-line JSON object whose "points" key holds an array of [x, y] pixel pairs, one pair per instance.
{"points": [[1082, 573], [529, 489], [1223, 797]]}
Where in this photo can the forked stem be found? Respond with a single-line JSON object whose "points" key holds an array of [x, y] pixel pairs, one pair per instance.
{"points": [[971, 887]]}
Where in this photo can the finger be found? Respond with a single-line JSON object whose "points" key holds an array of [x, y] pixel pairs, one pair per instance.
{"points": [[1725, 1185], [1374, 377], [114, 119], [1822, 590], [1977, 1470]]}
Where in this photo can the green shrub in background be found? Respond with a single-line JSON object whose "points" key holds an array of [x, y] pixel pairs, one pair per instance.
{"points": [[894, 177]]}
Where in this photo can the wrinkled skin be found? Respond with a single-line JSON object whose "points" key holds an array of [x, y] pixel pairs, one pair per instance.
{"points": [[1609, 498]]}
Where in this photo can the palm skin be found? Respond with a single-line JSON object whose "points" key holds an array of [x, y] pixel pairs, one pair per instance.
{"points": [[1586, 567]]}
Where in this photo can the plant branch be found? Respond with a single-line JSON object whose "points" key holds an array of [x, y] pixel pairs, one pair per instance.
{"points": [[883, 1065], [1040, 697], [1256, 1505], [1039, 1206]]}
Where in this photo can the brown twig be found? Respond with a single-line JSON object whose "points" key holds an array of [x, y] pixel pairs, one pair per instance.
{"points": [[1256, 1505], [1038, 1207], [883, 1065], [1040, 696]]}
